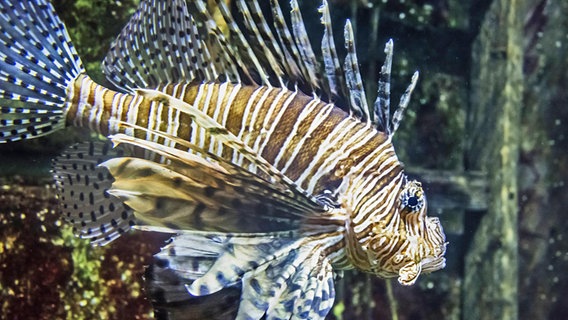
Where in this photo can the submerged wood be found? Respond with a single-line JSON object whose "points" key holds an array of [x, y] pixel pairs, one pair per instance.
{"points": [[491, 266]]}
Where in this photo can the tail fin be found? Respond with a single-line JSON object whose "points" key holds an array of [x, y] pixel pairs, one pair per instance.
{"points": [[37, 63]]}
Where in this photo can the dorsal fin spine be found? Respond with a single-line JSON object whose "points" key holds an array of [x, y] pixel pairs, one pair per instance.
{"points": [[330, 58], [303, 43], [273, 63], [358, 99], [235, 32], [286, 41], [404, 100], [382, 103]]}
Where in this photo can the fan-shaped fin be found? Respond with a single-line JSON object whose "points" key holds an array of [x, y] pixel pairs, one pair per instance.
{"points": [[82, 189], [37, 64], [297, 283], [280, 188], [179, 264], [281, 276], [174, 41], [159, 45]]}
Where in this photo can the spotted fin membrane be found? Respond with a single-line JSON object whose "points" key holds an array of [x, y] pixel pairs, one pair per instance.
{"points": [[278, 275], [36, 65], [82, 188]]}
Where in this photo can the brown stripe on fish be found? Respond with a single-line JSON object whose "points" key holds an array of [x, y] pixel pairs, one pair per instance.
{"points": [[76, 94], [86, 101], [225, 109], [337, 163], [255, 118], [263, 115], [204, 101], [244, 98], [178, 123], [283, 129], [119, 109], [283, 101], [370, 169], [383, 186], [325, 124], [299, 130], [215, 99], [308, 128]]}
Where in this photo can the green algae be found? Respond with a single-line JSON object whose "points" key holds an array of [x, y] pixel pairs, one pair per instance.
{"points": [[48, 273]]}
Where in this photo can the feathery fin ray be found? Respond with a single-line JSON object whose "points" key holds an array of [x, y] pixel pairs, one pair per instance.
{"points": [[194, 196], [404, 100], [37, 63], [330, 58], [382, 103], [159, 45], [270, 271]]}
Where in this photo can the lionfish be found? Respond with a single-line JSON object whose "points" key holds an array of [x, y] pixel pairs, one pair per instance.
{"points": [[225, 133]]}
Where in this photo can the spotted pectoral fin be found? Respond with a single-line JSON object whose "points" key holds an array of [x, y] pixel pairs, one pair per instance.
{"points": [[296, 285], [221, 305], [183, 260], [278, 275], [82, 190]]}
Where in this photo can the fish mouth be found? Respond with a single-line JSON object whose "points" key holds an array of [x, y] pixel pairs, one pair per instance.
{"points": [[436, 259]]}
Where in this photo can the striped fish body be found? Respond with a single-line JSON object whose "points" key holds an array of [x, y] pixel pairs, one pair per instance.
{"points": [[312, 142], [269, 189]]}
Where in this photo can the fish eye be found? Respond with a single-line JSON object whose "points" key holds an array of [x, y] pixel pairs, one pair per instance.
{"points": [[412, 197], [412, 202]]}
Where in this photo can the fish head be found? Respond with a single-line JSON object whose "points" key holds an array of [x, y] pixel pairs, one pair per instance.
{"points": [[402, 243], [424, 243]]}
